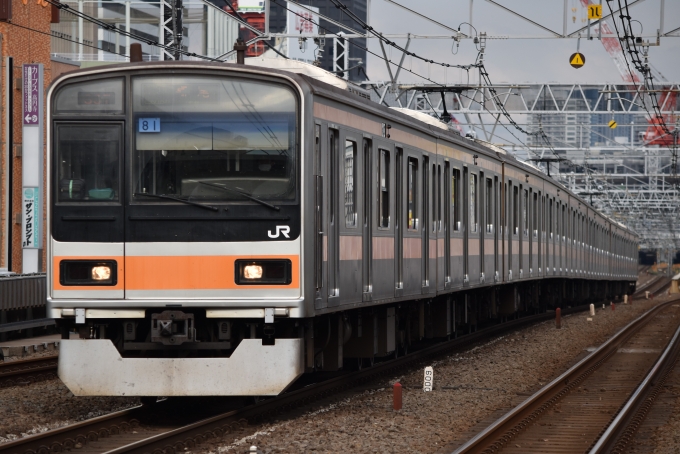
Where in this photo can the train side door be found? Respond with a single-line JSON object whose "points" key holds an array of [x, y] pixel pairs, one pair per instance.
{"points": [[319, 297], [350, 226], [426, 225], [466, 225], [445, 205], [367, 237], [399, 223], [333, 198]]}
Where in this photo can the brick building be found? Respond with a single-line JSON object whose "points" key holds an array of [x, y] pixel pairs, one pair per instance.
{"points": [[25, 38]]}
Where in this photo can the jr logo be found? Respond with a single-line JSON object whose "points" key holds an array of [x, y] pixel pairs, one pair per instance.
{"points": [[280, 229]]}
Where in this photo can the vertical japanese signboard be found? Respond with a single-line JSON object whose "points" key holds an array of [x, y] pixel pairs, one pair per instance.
{"points": [[32, 167], [31, 218], [32, 89]]}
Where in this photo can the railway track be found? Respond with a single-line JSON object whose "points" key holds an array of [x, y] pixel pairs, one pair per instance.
{"points": [[598, 404], [151, 429], [654, 286], [27, 371]]}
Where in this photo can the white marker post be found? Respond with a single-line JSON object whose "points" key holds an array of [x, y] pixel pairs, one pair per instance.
{"points": [[428, 383], [32, 168]]}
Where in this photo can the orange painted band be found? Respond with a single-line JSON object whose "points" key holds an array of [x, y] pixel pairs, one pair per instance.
{"points": [[195, 272], [179, 273]]}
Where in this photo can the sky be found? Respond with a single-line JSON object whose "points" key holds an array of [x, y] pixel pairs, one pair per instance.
{"points": [[519, 59]]}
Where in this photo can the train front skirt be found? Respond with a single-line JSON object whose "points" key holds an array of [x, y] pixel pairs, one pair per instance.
{"points": [[93, 367]]}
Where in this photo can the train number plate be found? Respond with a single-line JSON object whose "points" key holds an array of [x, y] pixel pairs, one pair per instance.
{"points": [[149, 125]]}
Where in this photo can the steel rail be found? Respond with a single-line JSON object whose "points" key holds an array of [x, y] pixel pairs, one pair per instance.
{"points": [[625, 424], [15, 372], [67, 437], [513, 422]]}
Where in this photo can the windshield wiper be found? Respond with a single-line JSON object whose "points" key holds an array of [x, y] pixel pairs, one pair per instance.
{"points": [[241, 192], [169, 197]]}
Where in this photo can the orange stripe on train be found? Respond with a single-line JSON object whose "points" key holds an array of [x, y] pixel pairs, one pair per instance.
{"points": [[178, 273], [194, 272]]}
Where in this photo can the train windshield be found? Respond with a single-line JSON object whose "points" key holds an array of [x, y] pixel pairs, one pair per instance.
{"points": [[213, 139]]}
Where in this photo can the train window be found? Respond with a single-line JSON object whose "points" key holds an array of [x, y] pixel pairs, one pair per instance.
{"points": [[439, 196], [198, 137], [350, 183], [88, 162], [515, 210], [564, 223], [333, 180], [534, 216], [489, 206], [384, 190], [434, 197], [317, 149], [412, 220], [98, 96], [473, 202], [550, 218], [525, 215], [455, 194]]}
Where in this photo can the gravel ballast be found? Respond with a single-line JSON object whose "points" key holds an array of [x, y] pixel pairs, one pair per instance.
{"points": [[38, 407], [471, 390]]}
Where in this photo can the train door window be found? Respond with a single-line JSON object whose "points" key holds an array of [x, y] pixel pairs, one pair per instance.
{"points": [[434, 197], [505, 219], [525, 215], [564, 223], [350, 183], [89, 162], [515, 210], [455, 198], [439, 197], [489, 206], [473, 202], [550, 218], [333, 137], [384, 190], [412, 185], [534, 215], [317, 149], [573, 227]]}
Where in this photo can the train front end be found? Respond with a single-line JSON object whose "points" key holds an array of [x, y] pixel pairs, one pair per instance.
{"points": [[174, 241]]}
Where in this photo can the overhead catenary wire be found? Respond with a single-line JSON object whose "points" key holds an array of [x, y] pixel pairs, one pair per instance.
{"points": [[629, 45]]}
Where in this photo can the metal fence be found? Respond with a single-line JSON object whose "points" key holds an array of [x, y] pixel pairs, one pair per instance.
{"points": [[23, 291]]}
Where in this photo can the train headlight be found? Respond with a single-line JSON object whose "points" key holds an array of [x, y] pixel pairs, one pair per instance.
{"points": [[88, 272], [101, 273], [263, 272], [252, 272]]}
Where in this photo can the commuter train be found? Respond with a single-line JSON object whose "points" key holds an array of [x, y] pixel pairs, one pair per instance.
{"points": [[222, 229]]}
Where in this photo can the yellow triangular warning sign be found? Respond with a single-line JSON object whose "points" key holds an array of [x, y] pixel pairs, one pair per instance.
{"points": [[577, 60]]}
